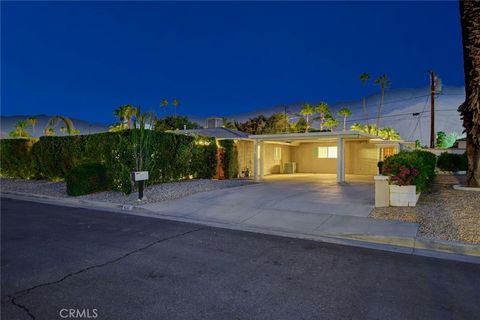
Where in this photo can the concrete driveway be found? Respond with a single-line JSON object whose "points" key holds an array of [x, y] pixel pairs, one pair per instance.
{"points": [[307, 204]]}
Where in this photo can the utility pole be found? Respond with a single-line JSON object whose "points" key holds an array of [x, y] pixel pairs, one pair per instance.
{"points": [[432, 109]]}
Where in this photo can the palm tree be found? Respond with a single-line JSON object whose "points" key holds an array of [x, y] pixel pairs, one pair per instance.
{"points": [[63, 130], [345, 112], [389, 134], [331, 123], [323, 110], [364, 77], [384, 83], [470, 109], [307, 111], [126, 113], [357, 127], [33, 122], [20, 130], [175, 104], [164, 105]]}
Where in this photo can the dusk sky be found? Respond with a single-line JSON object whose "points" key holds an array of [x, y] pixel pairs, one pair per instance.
{"points": [[85, 59]]}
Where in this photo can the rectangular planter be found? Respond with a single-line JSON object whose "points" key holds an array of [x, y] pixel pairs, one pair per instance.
{"points": [[403, 196]]}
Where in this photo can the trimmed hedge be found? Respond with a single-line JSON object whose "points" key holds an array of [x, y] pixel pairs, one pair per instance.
{"points": [[423, 161], [452, 162], [17, 160], [87, 178], [172, 157], [229, 159]]}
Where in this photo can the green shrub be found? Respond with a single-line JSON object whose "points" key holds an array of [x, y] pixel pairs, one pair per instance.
{"points": [[452, 162], [229, 159], [87, 178], [170, 157], [16, 159], [417, 167]]}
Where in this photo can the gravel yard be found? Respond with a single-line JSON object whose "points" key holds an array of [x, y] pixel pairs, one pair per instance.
{"points": [[443, 213], [154, 193]]}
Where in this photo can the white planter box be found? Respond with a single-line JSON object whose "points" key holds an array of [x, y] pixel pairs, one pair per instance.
{"points": [[403, 196]]}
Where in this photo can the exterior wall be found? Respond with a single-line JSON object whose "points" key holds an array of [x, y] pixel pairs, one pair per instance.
{"points": [[245, 157], [307, 162], [275, 166], [361, 157]]}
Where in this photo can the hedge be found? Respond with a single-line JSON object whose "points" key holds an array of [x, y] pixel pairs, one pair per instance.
{"points": [[171, 157], [452, 162], [87, 178], [423, 161], [16, 158], [229, 159]]}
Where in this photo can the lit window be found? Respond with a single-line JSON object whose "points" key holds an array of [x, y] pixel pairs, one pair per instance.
{"points": [[277, 153], [326, 152]]}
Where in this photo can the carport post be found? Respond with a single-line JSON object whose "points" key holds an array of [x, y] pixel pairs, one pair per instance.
{"points": [[255, 160], [340, 160], [260, 160]]}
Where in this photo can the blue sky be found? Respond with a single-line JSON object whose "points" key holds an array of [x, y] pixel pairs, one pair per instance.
{"points": [[85, 59]]}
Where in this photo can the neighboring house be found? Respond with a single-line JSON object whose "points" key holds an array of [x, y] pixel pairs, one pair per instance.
{"points": [[340, 153]]}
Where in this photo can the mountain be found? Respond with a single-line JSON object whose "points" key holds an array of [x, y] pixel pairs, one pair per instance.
{"points": [[7, 124], [399, 111], [406, 110]]}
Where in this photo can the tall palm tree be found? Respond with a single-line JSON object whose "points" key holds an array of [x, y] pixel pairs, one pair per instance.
{"points": [[307, 111], [164, 105], [345, 113], [323, 110], [175, 104], [33, 122], [364, 77], [470, 109], [384, 83]]}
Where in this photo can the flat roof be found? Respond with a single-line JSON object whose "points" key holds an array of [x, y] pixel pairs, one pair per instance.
{"points": [[314, 135]]}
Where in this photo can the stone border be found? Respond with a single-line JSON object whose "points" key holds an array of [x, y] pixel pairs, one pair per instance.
{"points": [[441, 249], [462, 188]]}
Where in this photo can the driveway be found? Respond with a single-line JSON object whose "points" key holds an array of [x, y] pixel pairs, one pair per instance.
{"points": [[302, 203]]}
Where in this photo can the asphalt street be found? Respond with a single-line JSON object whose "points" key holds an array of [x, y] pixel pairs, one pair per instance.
{"points": [[116, 266]]}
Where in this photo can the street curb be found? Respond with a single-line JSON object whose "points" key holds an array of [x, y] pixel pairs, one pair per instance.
{"points": [[447, 250]]}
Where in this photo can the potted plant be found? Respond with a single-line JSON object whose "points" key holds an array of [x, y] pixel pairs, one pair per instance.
{"points": [[403, 191]]}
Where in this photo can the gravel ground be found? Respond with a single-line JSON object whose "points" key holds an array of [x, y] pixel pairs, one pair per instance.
{"points": [[443, 213], [154, 193]]}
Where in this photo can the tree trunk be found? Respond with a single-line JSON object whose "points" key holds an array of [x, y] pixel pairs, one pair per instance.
{"points": [[470, 109], [380, 108], [365, 110]]}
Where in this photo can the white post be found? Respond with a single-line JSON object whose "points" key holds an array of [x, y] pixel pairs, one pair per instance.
{"points": [[261, 157], [255, 159], [340, 160]]}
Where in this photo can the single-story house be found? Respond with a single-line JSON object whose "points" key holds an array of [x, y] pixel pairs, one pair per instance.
{"points": [[340, 153]]}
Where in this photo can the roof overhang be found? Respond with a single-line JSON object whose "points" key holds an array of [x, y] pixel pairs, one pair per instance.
{"points": [[313, 136]]}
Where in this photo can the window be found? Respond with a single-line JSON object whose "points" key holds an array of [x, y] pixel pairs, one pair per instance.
{"points": [[327, 152], [277, 153]]}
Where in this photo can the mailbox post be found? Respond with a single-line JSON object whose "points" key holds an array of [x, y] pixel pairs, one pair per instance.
{"points": [[140, 177]]}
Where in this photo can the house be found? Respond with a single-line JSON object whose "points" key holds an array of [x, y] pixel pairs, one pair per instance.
{"points": [[341, 153]]}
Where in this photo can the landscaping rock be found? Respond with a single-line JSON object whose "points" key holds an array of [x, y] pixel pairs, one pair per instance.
{"points": [[443, 213], [153, 193]]}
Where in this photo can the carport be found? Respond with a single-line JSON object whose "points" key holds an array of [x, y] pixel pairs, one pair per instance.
{"points": [[339, 153]]}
